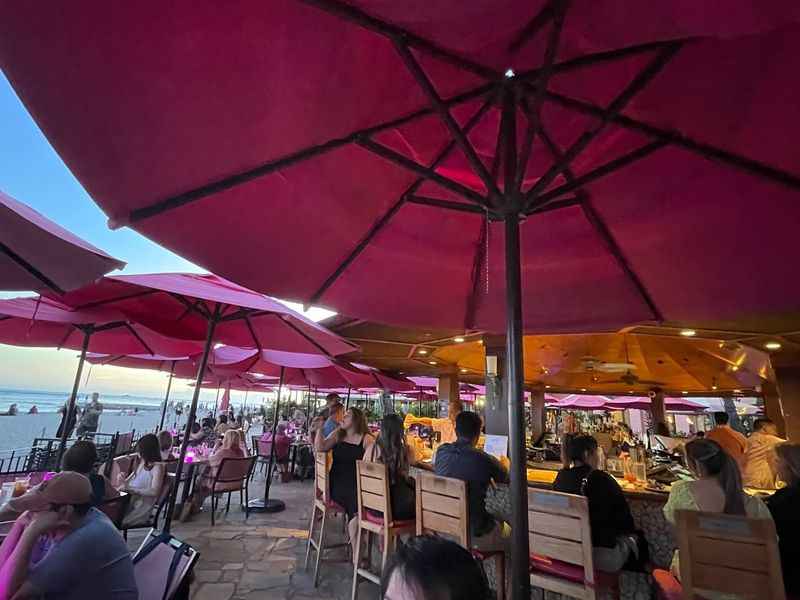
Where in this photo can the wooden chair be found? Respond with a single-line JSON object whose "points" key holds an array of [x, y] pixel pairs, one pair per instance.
{"points": [[322, 508], [727, 554], [373, 497], [442, 509], [560, 541], [233, 475]]}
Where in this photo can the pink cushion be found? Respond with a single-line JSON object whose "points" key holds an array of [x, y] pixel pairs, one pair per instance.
{"points": [[570, 572], [667, 587], [377, 518]]}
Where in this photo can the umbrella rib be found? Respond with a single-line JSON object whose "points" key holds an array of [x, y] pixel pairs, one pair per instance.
{"points": [[139, 338], [405, 197], [447, 204], [542, 18], [611, 244], [307, 337], [444, 113], [477, 267], [30, 269], [359, 17], [252, 332], [634, 87], [557, 205], [421, 170], [226, 183], [105, 301], [601, 171], [705, 150]]}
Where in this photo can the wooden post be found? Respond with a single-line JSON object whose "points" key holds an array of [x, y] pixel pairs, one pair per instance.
{"points": [[449, 392], [537, 414], [657, 409]]}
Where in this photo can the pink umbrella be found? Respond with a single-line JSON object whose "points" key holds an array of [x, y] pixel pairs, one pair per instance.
{"points": [[38, 255], [44, 322], [507, 157], [190, 306], [579, 402]]}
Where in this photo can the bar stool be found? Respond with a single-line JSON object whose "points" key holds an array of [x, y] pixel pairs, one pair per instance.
{"points": [[724, 553], [442, 509], [560, 540], [322, 507], [373, 498]]}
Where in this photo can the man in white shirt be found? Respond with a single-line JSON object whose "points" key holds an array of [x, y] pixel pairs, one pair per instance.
{"points": [[759, 455]]}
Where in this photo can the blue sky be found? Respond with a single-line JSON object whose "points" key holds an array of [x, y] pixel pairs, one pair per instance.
{"points": [[32, 172]]}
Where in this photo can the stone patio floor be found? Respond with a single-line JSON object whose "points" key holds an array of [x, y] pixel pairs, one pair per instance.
{"points": [[262, 557]]}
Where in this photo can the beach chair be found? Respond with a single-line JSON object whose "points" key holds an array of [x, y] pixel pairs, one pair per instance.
{"points": [[442, 509], [725, 554], [233, 475], [162, 566], [375, 518]]}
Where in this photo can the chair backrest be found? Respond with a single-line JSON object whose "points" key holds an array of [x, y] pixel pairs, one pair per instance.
{"points": [[116, 508], [559, 530], [373, 489], [124, 443], [260, 449], [233, 472], [729, 554], [322, 484], [152, 570], [442, 507]]}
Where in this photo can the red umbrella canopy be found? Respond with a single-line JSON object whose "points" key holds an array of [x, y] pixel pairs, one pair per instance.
{"points": [[47, 323], [38, 255], [383, 132], [180, 305]]}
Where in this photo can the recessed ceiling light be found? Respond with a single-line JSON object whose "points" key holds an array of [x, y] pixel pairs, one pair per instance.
{"points": [[684, 392], [480, 341], [547, 386], [735, 368], [737, 391], [431, 362], [713, 387], [583, 389], [630, 391], [509, 73], [422, 351], [688, 332], [463, 370], [458, 339], [772, 345]]}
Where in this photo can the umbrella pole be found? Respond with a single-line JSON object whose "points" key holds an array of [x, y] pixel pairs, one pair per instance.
{"points": [[244, 403], [216, 402], [68, 412], [266, 505], [308, 408], [166, 398], [518, 473], [201, 371], [347, 400]]}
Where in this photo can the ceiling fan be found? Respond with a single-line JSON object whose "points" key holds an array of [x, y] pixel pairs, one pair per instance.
{"points": [[592, 364], [629, 377]]}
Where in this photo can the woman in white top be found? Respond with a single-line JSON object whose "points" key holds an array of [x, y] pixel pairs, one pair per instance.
{"points": [[144, 484]]}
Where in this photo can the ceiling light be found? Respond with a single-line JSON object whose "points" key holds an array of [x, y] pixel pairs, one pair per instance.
{"points": [[772, 345], [583, 389], [737, 391], [688, 332], [684, 392], [509, 73], [431, 362], [480, 342], [734, 367], [630, 391], [713, 387], [422, 351], [458, 339], [547, 386], [463, 370]]}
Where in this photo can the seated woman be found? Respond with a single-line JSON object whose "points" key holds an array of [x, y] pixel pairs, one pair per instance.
{"points": [[282, 443], [230, 446], [784, 505], [144, 484], [202, 432], [165, 444], [613, 538], [347, 444], [391, 449], [717, 489]]}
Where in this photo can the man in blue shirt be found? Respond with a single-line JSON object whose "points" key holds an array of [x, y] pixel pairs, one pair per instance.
{"points": [[462, 460], [86, 556], [335, 414]]}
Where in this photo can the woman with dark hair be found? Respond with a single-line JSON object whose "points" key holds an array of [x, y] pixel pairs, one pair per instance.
{"points": [[433, 568], [144, 484], [613, 530], [784, 505], [391, 450], [717, 489], [347, 444]]}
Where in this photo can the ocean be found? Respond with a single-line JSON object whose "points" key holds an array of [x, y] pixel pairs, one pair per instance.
{"points": [[52, 401]]}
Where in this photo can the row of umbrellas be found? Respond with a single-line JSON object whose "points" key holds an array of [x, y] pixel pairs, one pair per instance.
{"points": [[541, 166]]}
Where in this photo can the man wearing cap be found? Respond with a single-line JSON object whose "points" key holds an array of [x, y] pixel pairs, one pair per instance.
{"points": [[86, 558]]}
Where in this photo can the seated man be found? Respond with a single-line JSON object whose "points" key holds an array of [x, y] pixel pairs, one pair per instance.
{"points": [[83, 554], [462, 460]]}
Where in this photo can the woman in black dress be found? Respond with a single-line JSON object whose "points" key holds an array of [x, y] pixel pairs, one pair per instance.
{"points": [[391, 450], [347, 444]]}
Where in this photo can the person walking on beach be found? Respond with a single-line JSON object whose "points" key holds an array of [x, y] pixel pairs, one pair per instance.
{"points": [[90, 419], [67, 420]]}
